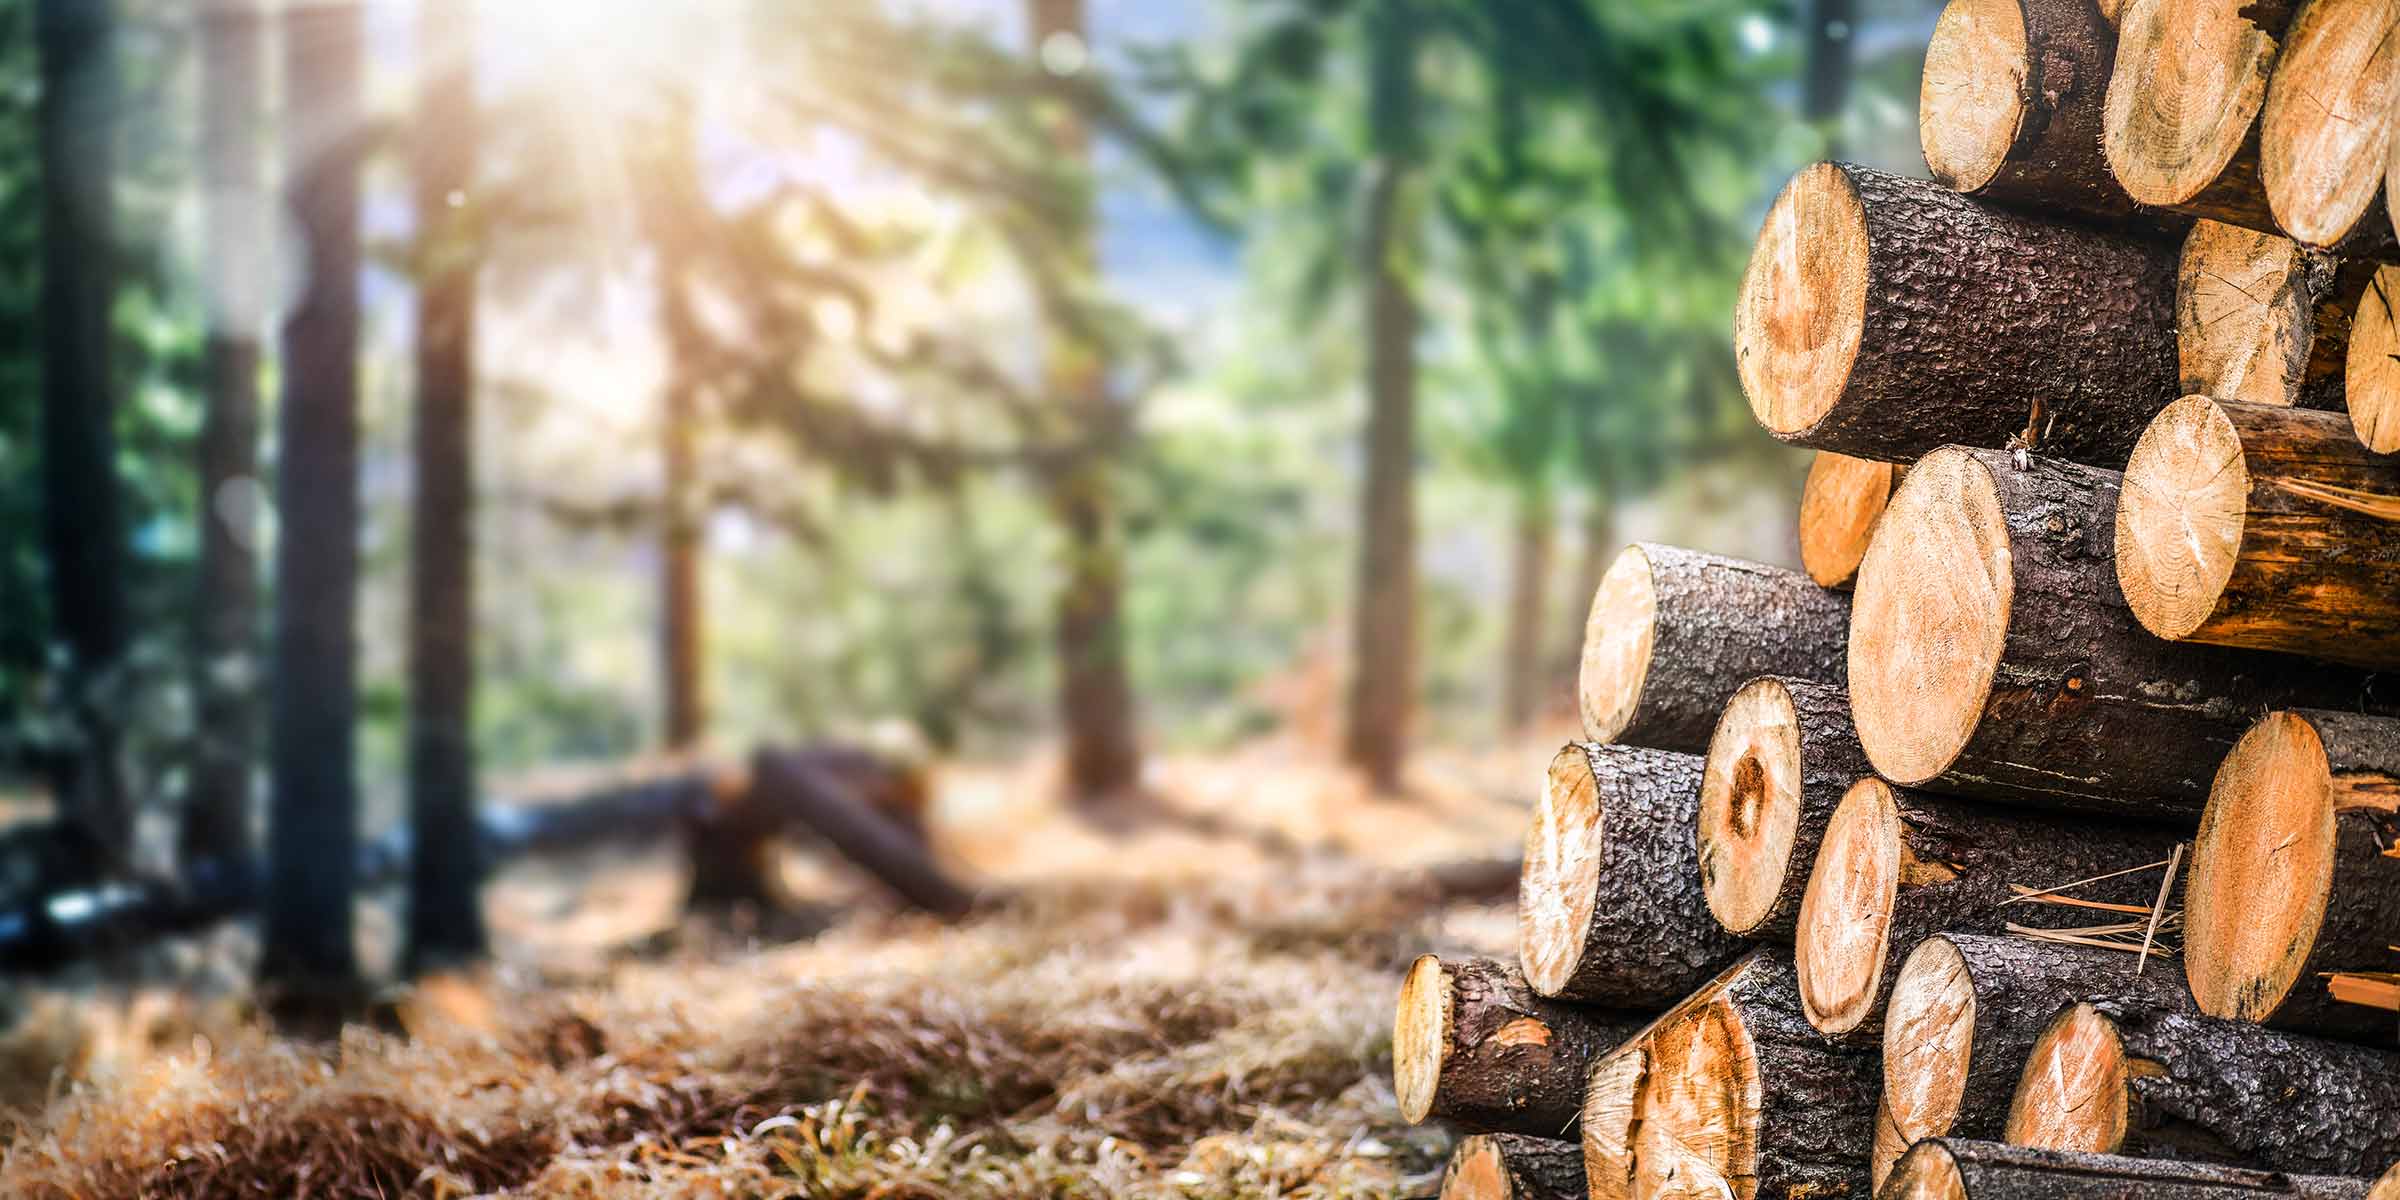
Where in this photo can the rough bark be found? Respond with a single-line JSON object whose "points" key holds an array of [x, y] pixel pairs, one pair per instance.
{"points": [[445, 909], [1972, 324], [799, 787], [313, 834], [1383, 631], [2258, 318], [1508, 1166], [1804, 769], [1610, 910], [1501, 1058], [2023, 127], [1529, 594], [1657, 673], [1959, 1169]]}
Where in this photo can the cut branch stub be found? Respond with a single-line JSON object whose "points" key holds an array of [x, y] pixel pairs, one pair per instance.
{"points": [[2259, 319], [1473, 1044], [1959, 1169], [2011, 103], [1881, 317], [2240, 526], [1506, 1166], [1781, 758], [2325, 133], [1838, 508], [2290, 879]]}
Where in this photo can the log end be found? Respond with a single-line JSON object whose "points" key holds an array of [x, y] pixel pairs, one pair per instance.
{"points": [[1700, 1106], [1477, 1171], [2076, 1091], [1617, 638], [1928, 1045], [1420, 1036], [2325, 132], [2388, 1187], [2371, 364], [1930, 617], [1749, 805], [1562, 873], [2180, 517], [2262, 871], [1926, 1172], [2242, 330], [1972, 100], [1846, 913], [1608, 1120], [1838, 508], [1803, 302], [2189, 79]]}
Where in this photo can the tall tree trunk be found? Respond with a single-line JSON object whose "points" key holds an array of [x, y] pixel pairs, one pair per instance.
{"points": [[1598, 537], [445, 919], [1095, 696], [1383, 627], [313, 834], [1832, 26], [1529, 597], [226, 649], [670, 214], [84, 522]]}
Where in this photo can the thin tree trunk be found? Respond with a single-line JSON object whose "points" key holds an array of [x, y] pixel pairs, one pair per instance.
{"points": [[445, 913], [1529, 593], [1832, 27], [1599, 546], [681, 640], [1383, 633], [312, 843], [84, 521], [226, 650]]}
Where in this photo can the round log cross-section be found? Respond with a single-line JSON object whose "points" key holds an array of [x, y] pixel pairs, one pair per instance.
{"points": [[1782, 756], [2261, 320], [1505, 1166], [2241, 525], [1959, 1169], [2371, 370], [1473, 1044], [2326, 129], [2183, 101], [2290, 876], [1881, 317], [2011, 100], [1838, 507]]}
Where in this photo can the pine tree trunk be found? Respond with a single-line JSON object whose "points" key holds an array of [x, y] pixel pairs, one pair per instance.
{"points": [[1529, 593], [2012, 104], [445, 922], [1383, 625], [682, 640], [1474, 1045]]}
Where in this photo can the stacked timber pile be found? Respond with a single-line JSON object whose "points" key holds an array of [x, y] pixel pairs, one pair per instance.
{"points": [[2043, 839]]}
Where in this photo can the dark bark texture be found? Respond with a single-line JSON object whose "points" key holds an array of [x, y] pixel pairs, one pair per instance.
{"points": [[1721, 623], [1830, 761], [1651, 940], [1994, 1171], [2055, 164], [1816, 1099], [2087, 710], [1982, 324], [1536, 1168], [1517, 1063], [2362, 913]]}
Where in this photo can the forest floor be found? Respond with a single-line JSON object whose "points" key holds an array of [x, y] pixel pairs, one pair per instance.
{"points": [[1188, 1012]]}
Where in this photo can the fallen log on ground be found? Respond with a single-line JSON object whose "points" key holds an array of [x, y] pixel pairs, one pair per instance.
{"points": [[2259, 319], [2011, 102], [811, 790], [1781, 759], [1673, 633], [1961, 1169], [1882, 317], [2291, 878], [1508, 1166], [1838, 507], [1473, 1044]]}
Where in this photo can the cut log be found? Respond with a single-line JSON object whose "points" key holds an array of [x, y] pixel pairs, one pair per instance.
{"points": [[1610, 909], [1958, 1169], [2371, 368], [1507, 1166], [2388, 1187], [1991, 653], [2180, 125], [1608, 1117], [1674, 633], [1740, 1097], [2174, 1085], [2011, 101], [2326, 129], [2290, 879], [1881, 317], [1472, 1044], [1782, 757], [2262, 527], [814, 790], [2259, 319], [1838, 507], [1897, 867], [1964, 1013]]}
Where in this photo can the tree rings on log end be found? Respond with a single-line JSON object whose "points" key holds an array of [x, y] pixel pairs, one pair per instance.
{"points": [[2189, 80], [2262, 870], [1477, 1172], [2325, 133], [1838, 508], [2371, 367], [1926, 1172], [1617, 638], [1802, 308], [1562, 873], [2242, 330], [1420, 1037], [1700, 1108], [1749, 805], [1608, 1121], [2075, 1093], [1846, 913], [2180, 517], [1930, 617], [1972, 100], [1928, 1044]]}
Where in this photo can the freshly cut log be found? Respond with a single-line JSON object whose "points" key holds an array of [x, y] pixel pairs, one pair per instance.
{"points": [[1958, 1169], [1471, 1043], [1782, 756], [1508, 1166], [2326, 129], [2174, 1085], [1897, 867], [2259, 319], [1965, 1011], [1881, 317], [1838, 507], [2011, 102], [2388, 1187], [2290, 876], [1610, 909], [2262, 527], [1609, 1102], [2180, 124], [1674, 633], [1740, 1097], [1991, 653], [2371, 369]]}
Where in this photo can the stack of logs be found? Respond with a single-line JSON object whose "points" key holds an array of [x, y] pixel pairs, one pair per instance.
{"points": [[2043, 840]]}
